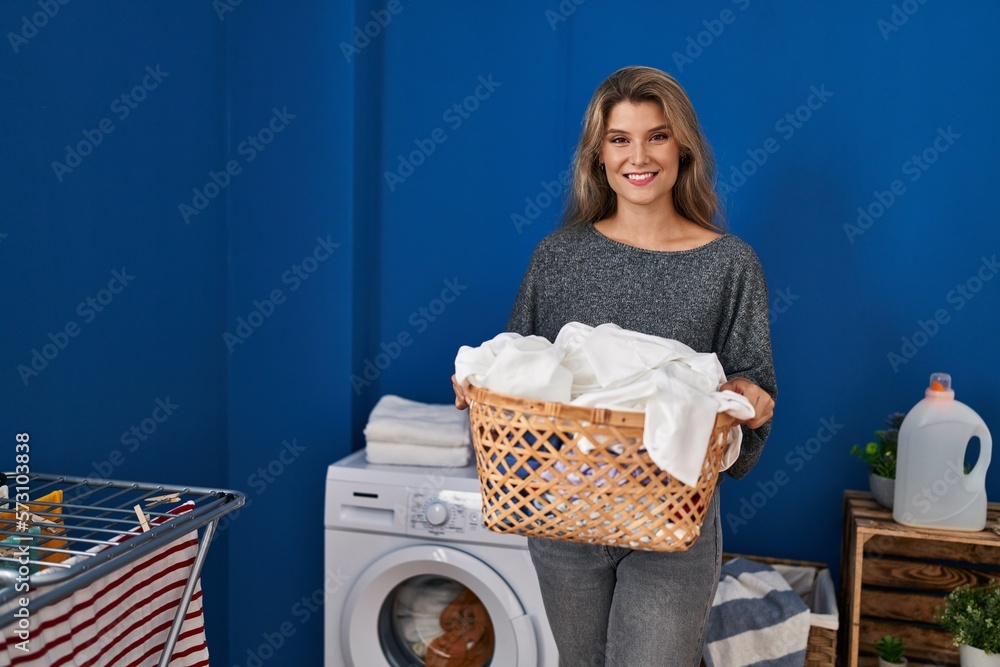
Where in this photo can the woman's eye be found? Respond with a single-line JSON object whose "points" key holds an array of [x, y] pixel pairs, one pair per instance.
{"points": [[618, 140], [659, 137]]}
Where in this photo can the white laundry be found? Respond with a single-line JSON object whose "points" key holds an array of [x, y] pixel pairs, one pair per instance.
{"points": [[735, 405], [394, 453], [473, 363], [619, 356], [680, 418], [611, 367], [526, 366], [418, 608], [397, 419], [571, 339]]}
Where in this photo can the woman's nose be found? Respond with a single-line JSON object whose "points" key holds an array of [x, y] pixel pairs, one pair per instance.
{"points": [[638, 153]]}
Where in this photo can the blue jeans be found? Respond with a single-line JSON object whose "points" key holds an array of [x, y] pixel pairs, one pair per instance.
{"points": [[615, 607]]}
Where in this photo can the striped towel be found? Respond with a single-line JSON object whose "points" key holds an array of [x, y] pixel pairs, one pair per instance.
{"points": [[120, 620], [756, 619]]}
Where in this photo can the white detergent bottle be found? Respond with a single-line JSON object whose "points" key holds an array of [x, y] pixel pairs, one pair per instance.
{"points": [[932, 488]]}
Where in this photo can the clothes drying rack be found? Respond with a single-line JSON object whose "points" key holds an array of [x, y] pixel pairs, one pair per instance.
{"points": [[101, 513]]}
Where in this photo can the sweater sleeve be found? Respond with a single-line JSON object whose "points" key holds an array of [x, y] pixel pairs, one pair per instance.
{"points": [[524, 314], [746, 352]]}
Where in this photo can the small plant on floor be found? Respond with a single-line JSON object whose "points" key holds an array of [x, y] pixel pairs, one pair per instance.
{"points": [[890, 649]]}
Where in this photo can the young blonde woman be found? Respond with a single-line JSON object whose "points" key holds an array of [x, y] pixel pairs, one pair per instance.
{"points": [[643, 246]]}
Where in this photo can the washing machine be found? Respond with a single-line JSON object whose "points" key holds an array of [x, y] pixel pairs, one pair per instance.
{"points": [[416, 576]]}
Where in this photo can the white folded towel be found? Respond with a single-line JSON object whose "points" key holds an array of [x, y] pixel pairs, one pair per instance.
{"points": [[393, 453], [397, 419]]}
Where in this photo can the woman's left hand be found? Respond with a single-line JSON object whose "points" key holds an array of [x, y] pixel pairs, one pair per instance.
{"points": [[761, 401]]}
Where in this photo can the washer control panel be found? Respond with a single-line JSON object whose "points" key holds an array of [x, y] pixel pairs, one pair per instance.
{"points": [[443, 513]]}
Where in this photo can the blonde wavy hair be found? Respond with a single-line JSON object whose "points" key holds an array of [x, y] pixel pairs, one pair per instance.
{"points": [[591, 197]]}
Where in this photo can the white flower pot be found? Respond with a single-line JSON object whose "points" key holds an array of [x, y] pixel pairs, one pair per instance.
{"points": [[971, 656], [882, 662], [884, 489]]}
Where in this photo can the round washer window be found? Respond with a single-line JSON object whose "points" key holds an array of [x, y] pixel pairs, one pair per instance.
{"points": [[435, 621]]}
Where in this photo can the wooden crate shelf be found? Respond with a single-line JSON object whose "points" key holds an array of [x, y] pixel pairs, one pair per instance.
{"points": [[893, 579]]}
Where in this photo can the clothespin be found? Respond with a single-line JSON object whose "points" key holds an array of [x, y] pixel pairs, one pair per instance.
{"points": [[11, 550], [51, 526], [143, 519], [159, 500], [4, 492]]}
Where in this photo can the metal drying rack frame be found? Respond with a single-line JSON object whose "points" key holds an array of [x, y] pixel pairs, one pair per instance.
{"points": [[100, 513]]}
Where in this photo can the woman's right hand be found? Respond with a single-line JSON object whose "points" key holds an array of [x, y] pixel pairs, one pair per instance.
{"points": [[462, 399]]}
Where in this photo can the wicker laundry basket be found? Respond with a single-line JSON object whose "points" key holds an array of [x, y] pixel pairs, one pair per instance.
{"points": [[577, 473], [821, 646]]}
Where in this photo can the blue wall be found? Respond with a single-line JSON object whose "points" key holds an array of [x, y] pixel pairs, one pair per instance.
{"points": [[843, 298], [151, 334], [360, 246]]}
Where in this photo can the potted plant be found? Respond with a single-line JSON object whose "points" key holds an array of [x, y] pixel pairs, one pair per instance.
{"points": [[972, 616], [890, 651], [880, 456]]}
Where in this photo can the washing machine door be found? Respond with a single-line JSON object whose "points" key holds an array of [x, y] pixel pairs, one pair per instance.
{"points": [[391, 614]]}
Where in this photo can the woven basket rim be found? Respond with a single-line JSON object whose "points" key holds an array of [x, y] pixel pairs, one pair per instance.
{"points": [[556, 409]]}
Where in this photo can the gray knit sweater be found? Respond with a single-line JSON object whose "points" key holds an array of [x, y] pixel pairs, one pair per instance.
{"points": [[712, 298]]}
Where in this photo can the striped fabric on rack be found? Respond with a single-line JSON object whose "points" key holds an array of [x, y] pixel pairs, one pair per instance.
{"points": [[120, 620]]}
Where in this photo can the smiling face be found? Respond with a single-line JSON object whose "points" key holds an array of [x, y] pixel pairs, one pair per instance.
{"points": [[641, 157]]}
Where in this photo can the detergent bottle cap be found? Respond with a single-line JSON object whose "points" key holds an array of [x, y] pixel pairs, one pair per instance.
{"points": [[940, 386]]}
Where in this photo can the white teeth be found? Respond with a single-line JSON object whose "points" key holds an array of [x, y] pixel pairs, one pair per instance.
{"points": [[640, 177]]}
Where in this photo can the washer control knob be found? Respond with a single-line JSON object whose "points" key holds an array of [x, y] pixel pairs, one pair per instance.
{"points": [[436, 513]]}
